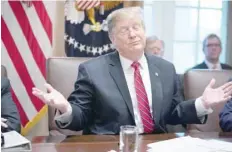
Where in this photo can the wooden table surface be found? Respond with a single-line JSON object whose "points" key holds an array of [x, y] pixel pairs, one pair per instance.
{"points": [[104, 143]]}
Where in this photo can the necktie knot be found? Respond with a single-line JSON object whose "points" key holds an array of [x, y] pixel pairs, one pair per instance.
{"points": [[135, 65]]}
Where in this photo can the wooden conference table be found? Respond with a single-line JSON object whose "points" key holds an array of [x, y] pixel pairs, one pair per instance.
{"points": [[104, 143]]}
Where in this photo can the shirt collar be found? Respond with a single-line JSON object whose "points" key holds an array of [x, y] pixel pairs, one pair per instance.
{"points": [[211, 65], [126, 63]]}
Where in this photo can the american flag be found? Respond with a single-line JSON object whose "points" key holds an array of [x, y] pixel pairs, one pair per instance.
{"points": [[26, 44]]}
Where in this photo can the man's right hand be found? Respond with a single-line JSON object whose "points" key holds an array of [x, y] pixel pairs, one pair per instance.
{"points": [[52, 98]]}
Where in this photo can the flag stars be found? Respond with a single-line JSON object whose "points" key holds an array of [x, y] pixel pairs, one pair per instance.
{"points": [[75, 44], [100, 50], [94, 50], [82, 47], [65, 37], [71, 41], [88, 49], [105, 48]]}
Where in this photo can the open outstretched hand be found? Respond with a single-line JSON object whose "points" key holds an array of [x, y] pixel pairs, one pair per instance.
{"points": [[213, 96], [52, 98]]}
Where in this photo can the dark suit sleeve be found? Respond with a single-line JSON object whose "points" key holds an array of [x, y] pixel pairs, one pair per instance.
{"points": [[9, 109], [81, 100], [182, 112], [225, 117]]}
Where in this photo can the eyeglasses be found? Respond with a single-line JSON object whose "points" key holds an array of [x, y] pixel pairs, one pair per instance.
{"points": [[213, 45]]}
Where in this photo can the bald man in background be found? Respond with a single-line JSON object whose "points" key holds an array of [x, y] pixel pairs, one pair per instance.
{"points": [[155, 46]]}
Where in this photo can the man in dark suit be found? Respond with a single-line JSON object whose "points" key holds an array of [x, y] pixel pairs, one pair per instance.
{"points": [[212, 48], [128, 87], [225, 117], [10, 119]]}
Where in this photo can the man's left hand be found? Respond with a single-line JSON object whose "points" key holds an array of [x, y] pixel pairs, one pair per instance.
{"points": [[213, 96]]}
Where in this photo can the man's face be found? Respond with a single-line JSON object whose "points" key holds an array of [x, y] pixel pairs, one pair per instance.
{"points": [[212, 49], [155, 47], [128, 36]]}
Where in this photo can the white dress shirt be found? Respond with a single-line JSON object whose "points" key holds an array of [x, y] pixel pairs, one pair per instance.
{"points": [[216, 66], [129, 76]]}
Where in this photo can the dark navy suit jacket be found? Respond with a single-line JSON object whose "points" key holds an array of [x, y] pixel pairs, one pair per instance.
{"points": [[101, 101], [8, 108], [226, 117]]}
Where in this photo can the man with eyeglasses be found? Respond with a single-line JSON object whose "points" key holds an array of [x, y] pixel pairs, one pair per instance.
{"points": [[212, 48]]}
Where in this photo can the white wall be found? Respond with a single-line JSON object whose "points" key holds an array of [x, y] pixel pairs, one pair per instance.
{"points": [[161, 24]]}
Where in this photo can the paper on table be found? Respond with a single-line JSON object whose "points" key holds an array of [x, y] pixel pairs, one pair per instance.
{"points": [[220, 145], [191, 145], [14, 141]]}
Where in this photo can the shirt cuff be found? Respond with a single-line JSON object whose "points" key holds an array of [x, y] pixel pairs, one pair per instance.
{"points": [[200, 108], [65, 117]]}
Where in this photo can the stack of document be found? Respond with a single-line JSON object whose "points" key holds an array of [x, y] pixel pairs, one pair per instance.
{"points": [[190, 144], [15, 142]]}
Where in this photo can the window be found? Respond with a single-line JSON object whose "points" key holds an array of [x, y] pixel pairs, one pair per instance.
{"points": [[194, 20], [183, 24]]}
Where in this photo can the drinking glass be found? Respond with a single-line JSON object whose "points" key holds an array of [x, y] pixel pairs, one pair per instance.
{"points": [[128, 139]]}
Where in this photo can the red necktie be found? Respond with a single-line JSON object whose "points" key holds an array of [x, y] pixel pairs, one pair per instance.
{"points": [[143, 104]]}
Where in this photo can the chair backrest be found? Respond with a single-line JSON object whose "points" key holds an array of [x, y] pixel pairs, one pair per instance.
{"points": [[62, 74], [195, 82]]}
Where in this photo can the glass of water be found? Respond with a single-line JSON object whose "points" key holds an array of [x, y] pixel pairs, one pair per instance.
{"points": [[128, 139]]}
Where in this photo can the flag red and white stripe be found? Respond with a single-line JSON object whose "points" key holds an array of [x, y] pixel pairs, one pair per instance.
{"points": [[26, 44], [87, 4]]}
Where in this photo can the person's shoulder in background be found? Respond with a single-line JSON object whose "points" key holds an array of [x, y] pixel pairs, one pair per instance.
{"points": [[226, 66], [200, 66], [8, 108], [5, 85], [225, 116]]}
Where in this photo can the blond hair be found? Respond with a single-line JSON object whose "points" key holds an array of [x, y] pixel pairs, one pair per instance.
{"points": [[121, 13]]}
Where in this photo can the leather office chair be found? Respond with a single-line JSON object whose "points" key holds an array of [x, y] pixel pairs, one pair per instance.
{"points": [[62, 74], [195, 82]]}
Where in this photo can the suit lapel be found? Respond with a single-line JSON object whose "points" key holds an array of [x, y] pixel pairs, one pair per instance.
{"points": [[204, 66], [156, 88], [118, 76]]}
